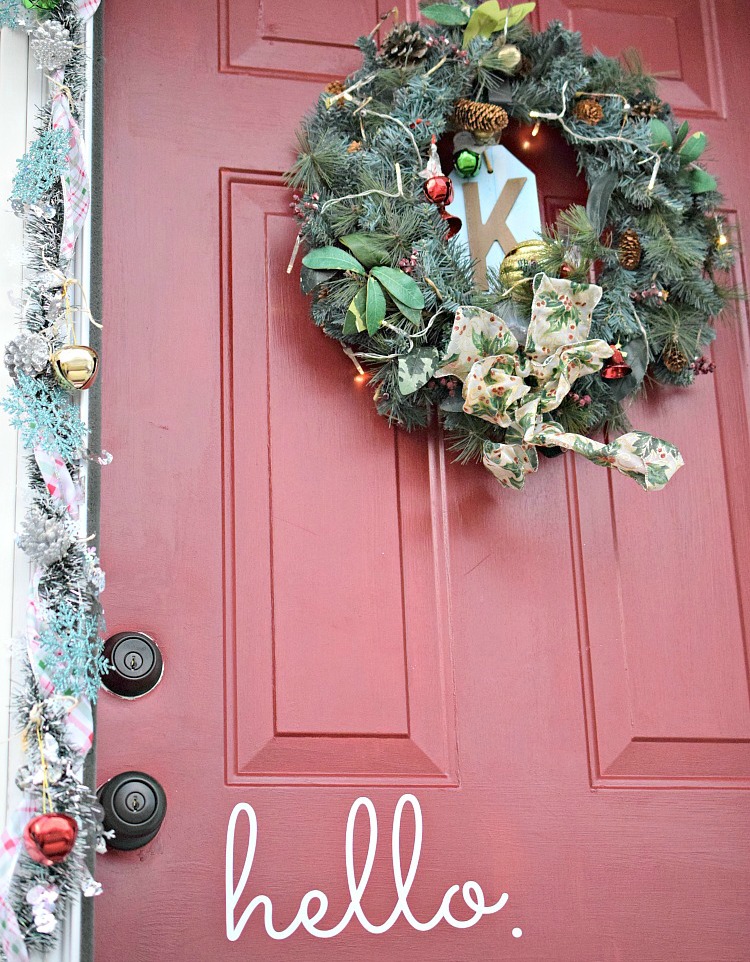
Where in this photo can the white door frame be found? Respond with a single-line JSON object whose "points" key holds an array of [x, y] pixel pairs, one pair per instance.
{"points": [[22, 90]]}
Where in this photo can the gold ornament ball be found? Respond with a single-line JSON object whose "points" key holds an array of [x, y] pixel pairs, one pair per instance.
{"points": [[512, 268], [75, 366]]}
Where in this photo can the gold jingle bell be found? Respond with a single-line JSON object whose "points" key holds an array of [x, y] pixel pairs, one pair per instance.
{"points": [[75, 366], [512, 269]]}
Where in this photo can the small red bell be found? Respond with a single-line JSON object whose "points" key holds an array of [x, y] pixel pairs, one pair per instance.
{"points": [[452, 222], [50, 838], [616, 368], [439, 189]]}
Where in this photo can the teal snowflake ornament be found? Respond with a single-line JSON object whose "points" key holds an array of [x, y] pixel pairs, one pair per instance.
{"points": [[10, 13], [72, 650], [43, 163], [45, 416]]}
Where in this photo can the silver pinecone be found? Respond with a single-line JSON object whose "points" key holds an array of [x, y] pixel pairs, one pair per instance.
{"points": [[51, 45], [28, 353], [44, 539]]}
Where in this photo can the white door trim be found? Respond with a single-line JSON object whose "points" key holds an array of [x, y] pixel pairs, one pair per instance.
{"points": [[22, 90]]}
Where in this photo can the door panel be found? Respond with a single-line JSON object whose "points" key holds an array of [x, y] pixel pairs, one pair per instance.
{"points": [[347, 575], [560, 676]]}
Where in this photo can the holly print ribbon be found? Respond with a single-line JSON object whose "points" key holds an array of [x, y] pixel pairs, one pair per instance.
{"points": [[515, 389]]}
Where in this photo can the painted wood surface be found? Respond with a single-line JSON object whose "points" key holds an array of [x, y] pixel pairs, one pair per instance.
{"points": [[560, 677]]}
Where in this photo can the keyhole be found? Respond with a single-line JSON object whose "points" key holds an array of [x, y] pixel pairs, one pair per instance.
{"points": [[134, 660], [135, 801]]}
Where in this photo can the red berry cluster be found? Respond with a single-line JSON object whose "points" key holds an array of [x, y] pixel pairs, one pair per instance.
{"points": [[582, 401], [448, 49], [305, 208], [408, 264], [703, 366]]}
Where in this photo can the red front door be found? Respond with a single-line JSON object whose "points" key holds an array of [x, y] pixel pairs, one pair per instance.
{"points": [[559, 677]]}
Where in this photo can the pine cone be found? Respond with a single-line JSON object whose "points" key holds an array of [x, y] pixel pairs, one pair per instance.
{"points": [[44, 539], [673, 359], [333, 88], [404, 46], [629, 250], [590, 111], [484, 120], [51, 45], [646, 107], [353, 147], [28, 353]]}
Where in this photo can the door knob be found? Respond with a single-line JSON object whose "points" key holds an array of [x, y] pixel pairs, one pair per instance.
{"points": [[136, 664], [134, 807]]}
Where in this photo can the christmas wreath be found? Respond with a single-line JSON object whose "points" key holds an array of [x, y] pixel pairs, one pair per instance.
{"points": [[539, 357]]}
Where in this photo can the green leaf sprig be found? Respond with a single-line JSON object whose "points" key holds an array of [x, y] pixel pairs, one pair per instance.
{"points": [[368, 260]]}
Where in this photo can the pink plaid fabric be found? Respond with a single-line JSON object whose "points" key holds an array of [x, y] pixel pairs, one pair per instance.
{"points": [[87, 9], [75, 178], [11, 938]]}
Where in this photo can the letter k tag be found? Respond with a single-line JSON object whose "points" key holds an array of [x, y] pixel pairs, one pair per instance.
{"points": [[483, 235]]}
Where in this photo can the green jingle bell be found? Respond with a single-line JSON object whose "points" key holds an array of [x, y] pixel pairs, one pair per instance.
{"points": [[467, 163]]}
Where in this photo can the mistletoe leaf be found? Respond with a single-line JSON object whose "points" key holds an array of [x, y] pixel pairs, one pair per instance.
{"points": [[414, 314], [445, 14], [310, 279], [701, 181], [375, 307], [369, 249], [681, 134], [416, 368], [661, 135], [400, 286], [354, 321], [693, 148], [488, 18], [597, 204], [332, 259]]}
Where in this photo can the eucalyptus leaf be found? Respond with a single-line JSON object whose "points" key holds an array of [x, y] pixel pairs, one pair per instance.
{"points": [[661, 135], [375, 307], [369, 249], [445, 14], [636, 357], [701, 181], [332, 259], [400, 286], [309, 279], [355, 317], [600, 193], [693, 148], [416, 368]]}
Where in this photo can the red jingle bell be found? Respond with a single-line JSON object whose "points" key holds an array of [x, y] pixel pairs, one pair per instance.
{"points": [[453, 223], [50, 838], [439, 189], [617, 368]]}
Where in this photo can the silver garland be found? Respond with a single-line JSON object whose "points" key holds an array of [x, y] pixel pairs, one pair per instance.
{"points": [[68, 569]]}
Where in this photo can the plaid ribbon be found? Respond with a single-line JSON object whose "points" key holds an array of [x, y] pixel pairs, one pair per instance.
{"points": [[75, 178], [87, 9], [79, 725], [60, 485]]}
